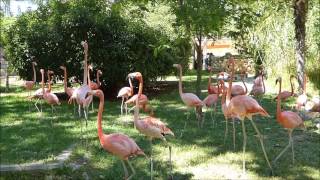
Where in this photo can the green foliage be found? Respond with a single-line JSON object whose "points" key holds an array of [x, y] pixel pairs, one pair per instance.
{"points": [[265, 31], [52, 35]]}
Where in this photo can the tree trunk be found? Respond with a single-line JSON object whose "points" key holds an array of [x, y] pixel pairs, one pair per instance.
{"points": [[300, 8], [199, 68]]}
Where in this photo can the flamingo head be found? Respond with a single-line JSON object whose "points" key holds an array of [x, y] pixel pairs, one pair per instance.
{"points": [[90, 67], [34, 63], [136, 75], [62, 67], [50, 72], [99, 72], [177, 65], [84, 45], [41, 70], [98, 93], [279, 79]]}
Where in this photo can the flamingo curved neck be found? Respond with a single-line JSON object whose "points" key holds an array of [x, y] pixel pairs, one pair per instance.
{"points": [[245, 86], [279, 102], [34, 73], [99, 118], [85, 69], [292, 91], [49, 82], [264, 87], [65, 80], [140, 87], [89, 80], [228, 98], [98, 80], [131, 87], [180, 81], [42, 82]]}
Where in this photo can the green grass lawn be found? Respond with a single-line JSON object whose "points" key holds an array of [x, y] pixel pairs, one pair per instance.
{"points": [[198, 154]]}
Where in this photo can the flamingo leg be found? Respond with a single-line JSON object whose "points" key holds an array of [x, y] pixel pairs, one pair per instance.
{"points": [[285, 149], [244, 146], [126, 107], [122, 105], [74, 109], [126, 174], [225, 131], [234, 135], [132, 169], [151, 161], [79, 110], [170, 162], [92, 105], [85, 111], [291, 140], [262, 144], [35, 104]]}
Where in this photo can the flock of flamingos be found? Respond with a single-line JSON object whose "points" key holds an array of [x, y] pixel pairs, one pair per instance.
{"points": [[235, 103]]}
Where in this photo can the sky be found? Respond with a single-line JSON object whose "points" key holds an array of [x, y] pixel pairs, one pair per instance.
{"points": [[19, 6]]}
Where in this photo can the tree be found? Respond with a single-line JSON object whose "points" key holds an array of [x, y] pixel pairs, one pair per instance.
{"points": [[202, 19], [300, 9]]}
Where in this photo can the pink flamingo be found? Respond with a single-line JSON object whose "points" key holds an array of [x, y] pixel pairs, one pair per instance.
{"points": [[48, 96], [125, 93], [243, 106], [238, 89], [68, 90], [190, 100], [289, 120], [151, 127], [212, 89], [259, 87], [93, 85], [80, 94], [29, 84], [303, 98], [118, 144], [227, 116], [284, 95], [143, 99], [211, 101]]}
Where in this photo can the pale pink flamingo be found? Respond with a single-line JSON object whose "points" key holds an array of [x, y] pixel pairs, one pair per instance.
{"points": [[125, 93], [284, 95], [258, 87], [48, 96], [289, 120], [81, 94], [211, 102], [303, 98], [151, 127], [313, 105], [189, 99], [68, 90], [93, 85], [29, 84], [212, 89], [143, 99], [118, 144], [243, 106]]}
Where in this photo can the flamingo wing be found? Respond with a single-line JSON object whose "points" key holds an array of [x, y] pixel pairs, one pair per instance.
{"points": [[191, 100], [125, 91], [289, 119], [121, 145], [245, 106]]}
